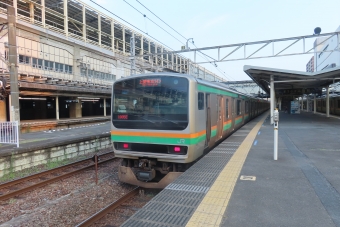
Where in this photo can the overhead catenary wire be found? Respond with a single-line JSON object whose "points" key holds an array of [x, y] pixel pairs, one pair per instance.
{"points": [[131, 24], [223, 74], [175, 31], [161, 20], [152, 21], [135, 26]]}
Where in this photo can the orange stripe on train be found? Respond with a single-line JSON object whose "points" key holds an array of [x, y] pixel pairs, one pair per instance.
{"points": [[159, 134]]}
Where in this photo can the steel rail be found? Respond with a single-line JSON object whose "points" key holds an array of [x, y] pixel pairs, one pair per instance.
{"points": [[48, 181], [18, 181], [97, 216]]}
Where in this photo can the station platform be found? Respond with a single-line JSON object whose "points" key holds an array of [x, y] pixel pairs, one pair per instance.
{"points": [[27, 126], [239, 184], [55, 137]]}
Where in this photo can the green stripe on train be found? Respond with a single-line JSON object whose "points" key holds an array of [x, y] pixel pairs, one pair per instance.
{"points": [[158, 140], [227, 126], [204, 88], [201, 87], [213, 132], [238, 121]]}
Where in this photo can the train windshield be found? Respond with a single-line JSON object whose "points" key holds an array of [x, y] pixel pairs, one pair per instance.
{"points": [[154, 102]]}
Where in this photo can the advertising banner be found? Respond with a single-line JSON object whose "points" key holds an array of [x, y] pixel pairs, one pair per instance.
{"points": [[294, 107]]}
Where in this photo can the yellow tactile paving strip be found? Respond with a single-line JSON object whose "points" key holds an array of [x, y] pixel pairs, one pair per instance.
{"points": [[211, 210]]}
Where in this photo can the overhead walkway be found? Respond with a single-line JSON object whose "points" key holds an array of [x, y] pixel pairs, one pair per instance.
{"points": [[239, 184]]}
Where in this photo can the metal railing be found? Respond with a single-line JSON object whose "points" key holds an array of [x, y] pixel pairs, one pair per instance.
{"points": [[9, 132]]}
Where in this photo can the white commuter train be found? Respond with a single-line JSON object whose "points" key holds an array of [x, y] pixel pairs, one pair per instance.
{"points": [[163, 122]]}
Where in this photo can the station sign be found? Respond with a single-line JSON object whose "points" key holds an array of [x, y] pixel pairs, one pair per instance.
{"points": [[150, 82], [122, 117], [297, 91], [72, 101]]}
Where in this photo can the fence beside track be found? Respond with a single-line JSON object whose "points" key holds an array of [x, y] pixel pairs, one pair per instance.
{"points": [[9, 132]]}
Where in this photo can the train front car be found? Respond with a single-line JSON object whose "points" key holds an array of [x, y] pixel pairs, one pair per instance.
{"points": [[150, 127]]}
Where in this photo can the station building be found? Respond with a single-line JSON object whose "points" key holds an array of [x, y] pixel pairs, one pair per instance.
{"points": [[325, 57], [68, 56]]}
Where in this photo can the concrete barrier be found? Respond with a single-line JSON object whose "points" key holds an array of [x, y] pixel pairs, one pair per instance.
{"points": [[23, 159]]}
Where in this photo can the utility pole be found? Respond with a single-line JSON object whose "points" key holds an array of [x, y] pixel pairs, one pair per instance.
{"points": [[132, 55], [188, 69], [13, 65]]}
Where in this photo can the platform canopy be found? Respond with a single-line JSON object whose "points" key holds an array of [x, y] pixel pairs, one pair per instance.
{"points": [[289, 82]]}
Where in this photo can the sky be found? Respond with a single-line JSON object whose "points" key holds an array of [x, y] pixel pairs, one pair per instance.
{"points": [[224, 22]]}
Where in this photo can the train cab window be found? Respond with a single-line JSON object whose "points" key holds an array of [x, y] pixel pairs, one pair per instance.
{"points": [[238, 107], [151, 102], [200, 99], [226, 108]]}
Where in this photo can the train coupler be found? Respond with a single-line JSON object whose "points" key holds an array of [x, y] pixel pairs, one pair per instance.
{"points": [[146, 175]]}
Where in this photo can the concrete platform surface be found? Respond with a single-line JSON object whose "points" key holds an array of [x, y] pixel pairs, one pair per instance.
{"points": [[36, 140], [301, 188]]}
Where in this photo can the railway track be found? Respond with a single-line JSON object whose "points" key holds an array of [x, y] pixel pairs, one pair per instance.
{"points": [[22, 185], [108, 209]]}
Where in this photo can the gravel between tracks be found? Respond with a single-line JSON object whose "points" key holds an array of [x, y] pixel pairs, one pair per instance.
{"points": [[127, 209], [66, 202]]}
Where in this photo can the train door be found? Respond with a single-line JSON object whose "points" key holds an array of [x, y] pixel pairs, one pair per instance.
{"points": [[243, 110], [208, 119], [232, 110], [220, 111], [252, 109]]}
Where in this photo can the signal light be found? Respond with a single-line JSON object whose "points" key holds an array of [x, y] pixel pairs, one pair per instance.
{"points": [[125, 145], [177, 149]]}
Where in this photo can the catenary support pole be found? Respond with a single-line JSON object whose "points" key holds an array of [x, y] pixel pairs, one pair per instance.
{"points": [[13, 65], [307, 103], [327, 103], [314, 103], [57, 107], [66, 18], [43, 13], [272, 98], [84, 22], [104, 107]]}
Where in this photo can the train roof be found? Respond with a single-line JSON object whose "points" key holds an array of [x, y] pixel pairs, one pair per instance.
{"points": [[213, 84]]}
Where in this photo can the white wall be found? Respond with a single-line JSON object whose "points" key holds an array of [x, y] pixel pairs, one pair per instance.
{"points": [[324, 60]]}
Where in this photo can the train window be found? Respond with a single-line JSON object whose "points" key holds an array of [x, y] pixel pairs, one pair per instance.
{"points": [[226, 108], [200, 100], [238, 108], [338, 103], [155, 102]]}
